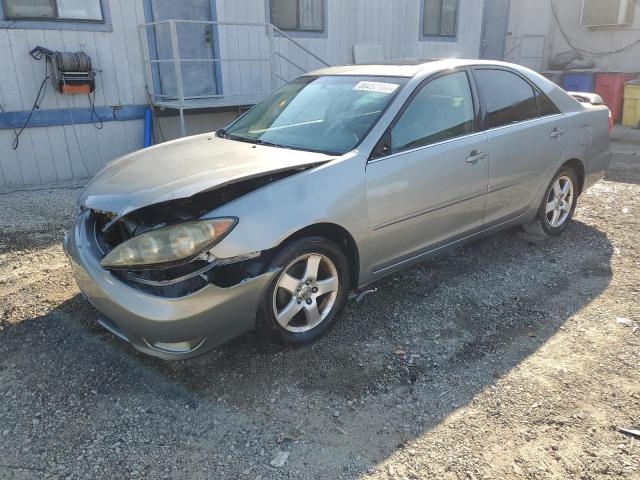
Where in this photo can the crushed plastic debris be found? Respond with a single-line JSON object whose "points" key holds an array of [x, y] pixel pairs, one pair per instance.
{"points": [[364, 294]]}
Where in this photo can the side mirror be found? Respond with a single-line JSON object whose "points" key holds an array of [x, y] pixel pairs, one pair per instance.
{"points": [[383, 147]]}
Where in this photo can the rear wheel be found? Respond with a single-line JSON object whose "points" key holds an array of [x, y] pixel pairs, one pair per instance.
{"points": [[311, 288], [557, 206]]}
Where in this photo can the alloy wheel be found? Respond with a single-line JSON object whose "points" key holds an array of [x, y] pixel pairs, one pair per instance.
{"points": [[559, 201], [305, 292]]}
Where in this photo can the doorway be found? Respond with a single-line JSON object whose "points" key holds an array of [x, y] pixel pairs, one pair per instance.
{"points": [[195, 41], [494, 29]]}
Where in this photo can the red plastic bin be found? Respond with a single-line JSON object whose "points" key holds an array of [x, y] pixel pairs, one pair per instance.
{"points": [[610, 86]]}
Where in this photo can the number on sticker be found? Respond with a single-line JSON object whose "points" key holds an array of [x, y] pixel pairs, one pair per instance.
{"points": [[379, 87]]}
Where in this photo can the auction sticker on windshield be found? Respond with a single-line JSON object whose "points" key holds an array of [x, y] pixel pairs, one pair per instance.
{"points": [[379, 87]]}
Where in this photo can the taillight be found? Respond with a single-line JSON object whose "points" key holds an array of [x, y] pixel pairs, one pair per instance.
{"points": [[610, 122]]}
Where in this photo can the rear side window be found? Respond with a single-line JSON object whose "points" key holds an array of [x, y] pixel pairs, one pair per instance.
{"points": [[508, 98], [546, 106], [441, 110]]}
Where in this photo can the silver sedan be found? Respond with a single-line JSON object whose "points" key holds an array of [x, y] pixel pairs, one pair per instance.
{"points": [[341, 177]]}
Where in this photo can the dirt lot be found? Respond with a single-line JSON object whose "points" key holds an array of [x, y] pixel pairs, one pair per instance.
{"points": [[511, 358]]}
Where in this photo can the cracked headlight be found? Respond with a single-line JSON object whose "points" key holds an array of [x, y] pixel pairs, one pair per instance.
{"points": [[177, 243]]}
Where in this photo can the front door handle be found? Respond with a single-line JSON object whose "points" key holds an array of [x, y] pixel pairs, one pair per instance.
{"points": [[475, 156], [557, 132]]}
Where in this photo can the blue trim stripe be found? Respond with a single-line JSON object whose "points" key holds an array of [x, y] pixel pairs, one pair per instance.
{"points": [[68, 116]]}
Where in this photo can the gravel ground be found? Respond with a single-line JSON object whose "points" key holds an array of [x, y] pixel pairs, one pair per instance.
{"points": [[513, 357]]}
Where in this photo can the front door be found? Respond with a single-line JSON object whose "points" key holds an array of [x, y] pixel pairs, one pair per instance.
{"points": [[494, 29], [195, 42], [430, 186]]}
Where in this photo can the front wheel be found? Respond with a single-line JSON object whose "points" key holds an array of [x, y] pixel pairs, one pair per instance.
{"points": [[311, 288], [558, 205]]}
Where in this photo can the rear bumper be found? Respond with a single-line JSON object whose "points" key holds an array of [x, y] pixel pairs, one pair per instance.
{"points": [[205, 319]]}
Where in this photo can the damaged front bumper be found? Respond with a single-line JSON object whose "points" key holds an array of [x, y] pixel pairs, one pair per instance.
{"points": [[169, 328]]}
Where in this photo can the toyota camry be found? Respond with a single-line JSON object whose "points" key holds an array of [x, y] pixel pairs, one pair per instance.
{"points": [[341, 177]]}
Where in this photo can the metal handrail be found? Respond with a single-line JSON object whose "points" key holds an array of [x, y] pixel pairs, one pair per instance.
{"points": [[518, 44], [180, 100], [299, 45], [280, 78], [245, 24], [289, 61]]}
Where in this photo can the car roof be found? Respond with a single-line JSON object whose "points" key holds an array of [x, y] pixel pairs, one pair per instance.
{"points": [[406, 68], [422, 68]]}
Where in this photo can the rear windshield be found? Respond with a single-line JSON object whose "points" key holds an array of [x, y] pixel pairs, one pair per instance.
{"points": [[330, 114]]}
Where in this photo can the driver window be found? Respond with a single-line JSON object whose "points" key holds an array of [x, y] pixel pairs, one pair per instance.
{"points": [[443, 109]]}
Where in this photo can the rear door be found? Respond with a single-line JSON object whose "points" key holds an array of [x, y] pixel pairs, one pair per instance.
{"points": [[427, 179], [527, 137]]}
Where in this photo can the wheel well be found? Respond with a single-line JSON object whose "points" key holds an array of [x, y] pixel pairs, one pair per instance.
{"points": [[340, 237], [577, 166]]}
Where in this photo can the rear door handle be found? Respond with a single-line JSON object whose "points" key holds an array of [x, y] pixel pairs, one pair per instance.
{"points": [[557, 133], [475, 156]]}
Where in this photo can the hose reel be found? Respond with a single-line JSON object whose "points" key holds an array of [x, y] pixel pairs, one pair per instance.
{"points": [[70, 72]]}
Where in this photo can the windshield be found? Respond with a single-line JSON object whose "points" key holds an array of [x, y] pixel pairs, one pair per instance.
{"points": [[330, 114]]}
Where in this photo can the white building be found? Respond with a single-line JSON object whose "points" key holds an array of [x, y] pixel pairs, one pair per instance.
{"points": [[231, 56]]}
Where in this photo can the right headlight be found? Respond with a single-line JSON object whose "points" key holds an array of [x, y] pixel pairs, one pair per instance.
{"points": [[180, 242]]}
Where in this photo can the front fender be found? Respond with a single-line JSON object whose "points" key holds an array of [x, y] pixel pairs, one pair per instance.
{"points": [[332, 193]]}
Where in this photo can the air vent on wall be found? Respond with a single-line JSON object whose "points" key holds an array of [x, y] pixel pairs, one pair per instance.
{"points": [[604, 13]]}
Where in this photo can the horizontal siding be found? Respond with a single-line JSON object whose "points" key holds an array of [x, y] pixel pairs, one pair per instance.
{"points": [[50, 154], [116, 57], [71, 151]]}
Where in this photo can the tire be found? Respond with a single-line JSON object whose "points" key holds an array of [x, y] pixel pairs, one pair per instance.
{"points": [[556, 208], [300, 306]]}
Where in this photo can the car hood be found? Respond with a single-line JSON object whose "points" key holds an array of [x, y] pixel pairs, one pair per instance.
{"points": [[184, 167]]}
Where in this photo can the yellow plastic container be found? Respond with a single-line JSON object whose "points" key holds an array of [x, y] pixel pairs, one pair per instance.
{"points": [[631, 111]]}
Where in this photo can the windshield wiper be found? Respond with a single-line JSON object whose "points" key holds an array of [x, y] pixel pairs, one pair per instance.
{"points": [[222, 132], [269, 144]]}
